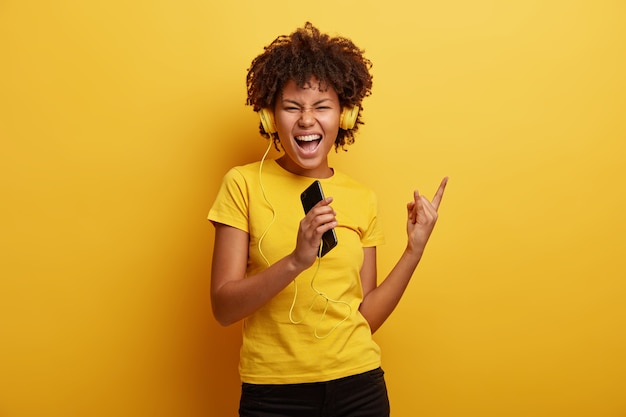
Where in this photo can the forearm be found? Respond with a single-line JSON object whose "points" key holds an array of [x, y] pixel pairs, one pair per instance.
{"points": [[379, 303], [237, 299]]}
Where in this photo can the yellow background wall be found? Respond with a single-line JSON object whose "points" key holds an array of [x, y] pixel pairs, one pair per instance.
{"points": [[118, 120]]}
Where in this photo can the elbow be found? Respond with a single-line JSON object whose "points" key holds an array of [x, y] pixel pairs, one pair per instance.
{"points": [[222, 317], [222, 320], [374, 326], [224, 323], [373, 320], [220, 310]]}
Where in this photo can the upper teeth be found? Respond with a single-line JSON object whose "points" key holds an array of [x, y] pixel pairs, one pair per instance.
{"points": [[308, 138]]}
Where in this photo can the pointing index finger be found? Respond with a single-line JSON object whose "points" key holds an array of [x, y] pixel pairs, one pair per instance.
{"points": [[439, 194]]}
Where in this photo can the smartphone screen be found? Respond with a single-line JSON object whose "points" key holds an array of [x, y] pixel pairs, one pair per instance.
{"points": [[310, 197]]}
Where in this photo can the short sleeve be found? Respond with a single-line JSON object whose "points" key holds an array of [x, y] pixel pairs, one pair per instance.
{"points": [[232, 201], [373, 234]]}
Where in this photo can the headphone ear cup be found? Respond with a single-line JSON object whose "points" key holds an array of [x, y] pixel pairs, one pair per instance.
{"points": [[348, 117], [267, 121]]}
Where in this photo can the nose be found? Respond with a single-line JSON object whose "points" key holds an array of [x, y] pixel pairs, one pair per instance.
{"points": [[306, 118]]}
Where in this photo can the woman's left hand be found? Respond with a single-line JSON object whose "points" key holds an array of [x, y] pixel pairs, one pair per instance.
{"points": [[422, 216]]}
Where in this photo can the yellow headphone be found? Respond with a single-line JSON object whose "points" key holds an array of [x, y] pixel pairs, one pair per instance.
{"points": [[347, 120]]}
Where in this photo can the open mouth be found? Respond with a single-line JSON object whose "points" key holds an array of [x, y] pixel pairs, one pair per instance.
{"points": [[308, 143]]}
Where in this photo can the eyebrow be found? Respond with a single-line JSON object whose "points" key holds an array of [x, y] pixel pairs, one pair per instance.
{"points": [[300, 104]]}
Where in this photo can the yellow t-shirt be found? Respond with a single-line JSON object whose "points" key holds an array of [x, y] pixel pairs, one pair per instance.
{"points": [[301, 336]]}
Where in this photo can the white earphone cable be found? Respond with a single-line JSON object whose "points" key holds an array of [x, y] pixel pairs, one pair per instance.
{"points": [[269, 146], [295, 295]]}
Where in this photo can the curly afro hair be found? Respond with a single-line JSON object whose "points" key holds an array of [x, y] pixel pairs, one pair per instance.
{"points": [[334, 61]]}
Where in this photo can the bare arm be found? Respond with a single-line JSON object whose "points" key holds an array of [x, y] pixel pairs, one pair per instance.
{"points": [[380, 301], [235, 295]]}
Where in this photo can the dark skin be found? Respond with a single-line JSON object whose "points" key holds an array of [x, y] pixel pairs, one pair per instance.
{"points": [[235, 295]]}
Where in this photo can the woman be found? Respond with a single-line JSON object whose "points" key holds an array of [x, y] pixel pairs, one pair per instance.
{"points": [[308, 319]]}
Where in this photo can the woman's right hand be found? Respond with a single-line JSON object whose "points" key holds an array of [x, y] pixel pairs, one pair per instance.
{"points": [[317, 221], [234, 294]]}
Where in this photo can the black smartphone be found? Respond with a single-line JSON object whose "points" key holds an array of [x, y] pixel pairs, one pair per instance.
{"points": [[310, 197]]}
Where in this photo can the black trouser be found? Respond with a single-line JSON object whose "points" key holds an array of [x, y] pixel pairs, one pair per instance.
{"points": [[363, 395]]}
